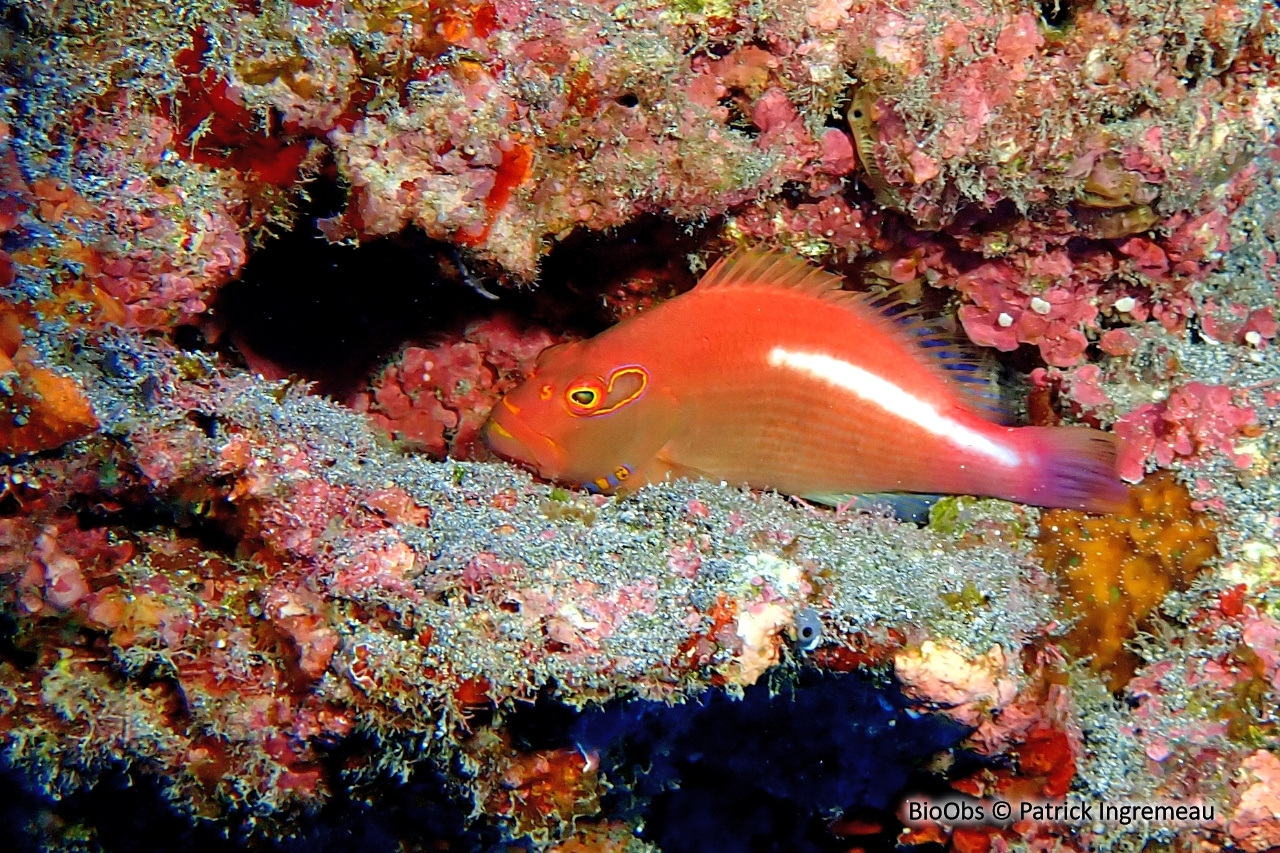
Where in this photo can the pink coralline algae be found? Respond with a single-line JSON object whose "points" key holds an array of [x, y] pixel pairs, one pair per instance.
{"points": [[1196, 711], [992, 98], [1003, 316], [437, 398], [1191, 737], [1195, 418], [1255, 826], [488, 151], [1238, 324], [144, 253], [216, 578]]}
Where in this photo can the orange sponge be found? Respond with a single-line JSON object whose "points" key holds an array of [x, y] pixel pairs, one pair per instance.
{"points": [[1113, 570]]}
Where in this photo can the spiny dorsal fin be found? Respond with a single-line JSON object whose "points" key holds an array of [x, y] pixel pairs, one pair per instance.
{"points": [[971, 374], [768, 267]]}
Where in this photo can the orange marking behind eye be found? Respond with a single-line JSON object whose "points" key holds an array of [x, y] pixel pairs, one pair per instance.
{"points": [[515, 410], [633, 369], [546, 391]]}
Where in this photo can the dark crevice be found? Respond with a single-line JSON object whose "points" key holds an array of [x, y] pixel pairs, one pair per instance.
{"points": [[189, 338], [184, 517], [1057, 13], [795, 193], [130, 811], [762, 773], [739, 118], [205, 422], [332, 314], [587, 265]]}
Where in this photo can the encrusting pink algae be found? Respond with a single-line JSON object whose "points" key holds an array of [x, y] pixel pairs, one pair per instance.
{"points": [[269, 587]]}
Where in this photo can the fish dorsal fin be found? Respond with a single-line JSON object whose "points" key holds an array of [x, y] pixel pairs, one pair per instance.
{"points": [[769, 268], [971, 374]]}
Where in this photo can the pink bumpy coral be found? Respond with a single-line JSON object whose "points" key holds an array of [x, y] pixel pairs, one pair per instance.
{"points": [[1195, 418], [437, 398]]}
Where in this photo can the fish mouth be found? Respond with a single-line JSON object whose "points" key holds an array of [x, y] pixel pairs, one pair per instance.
{"points": [[508, 435]]}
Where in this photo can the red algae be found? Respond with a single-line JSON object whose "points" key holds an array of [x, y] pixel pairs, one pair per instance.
{"points": [[538, 791], [1195, 419], [39, 409], [216, 578], [436, 399]]}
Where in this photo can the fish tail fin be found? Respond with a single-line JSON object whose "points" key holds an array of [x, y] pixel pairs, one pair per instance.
{"points": [[1073, 468]]}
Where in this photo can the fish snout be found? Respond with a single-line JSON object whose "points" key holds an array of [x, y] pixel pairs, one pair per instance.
{"points": [[511, 437]]}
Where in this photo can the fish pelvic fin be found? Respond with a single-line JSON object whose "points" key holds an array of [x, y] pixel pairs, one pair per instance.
{"points": [[1072, 468], [664, 468]]}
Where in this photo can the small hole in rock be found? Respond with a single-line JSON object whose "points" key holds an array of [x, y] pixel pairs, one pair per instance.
{"points": [[1056, 13]]}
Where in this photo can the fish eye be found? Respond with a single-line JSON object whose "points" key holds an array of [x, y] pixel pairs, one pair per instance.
{"points": [[584, 395]]}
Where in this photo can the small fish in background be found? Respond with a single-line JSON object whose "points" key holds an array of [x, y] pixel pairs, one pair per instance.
{"points": [[768, 374]]}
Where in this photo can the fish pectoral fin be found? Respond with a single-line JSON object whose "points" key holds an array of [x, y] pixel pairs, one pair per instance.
{"points": [[663, 467], [906, 506]]}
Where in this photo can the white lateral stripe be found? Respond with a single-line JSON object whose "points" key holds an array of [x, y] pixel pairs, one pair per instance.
{"points": [[892, 399]]}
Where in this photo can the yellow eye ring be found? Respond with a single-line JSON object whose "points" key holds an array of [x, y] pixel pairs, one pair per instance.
{"points": [[585, 396]]}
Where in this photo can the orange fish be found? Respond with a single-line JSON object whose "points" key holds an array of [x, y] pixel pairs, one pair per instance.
{"points": [[768, 374]]}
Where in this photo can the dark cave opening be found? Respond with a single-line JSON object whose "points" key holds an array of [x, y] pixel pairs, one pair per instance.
{"points": [[773, 771], [332, 314], [329, 313], [127, 810]]}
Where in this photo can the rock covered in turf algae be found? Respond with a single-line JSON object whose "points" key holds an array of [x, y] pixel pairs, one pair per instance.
{"points": [[375, 590]]}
